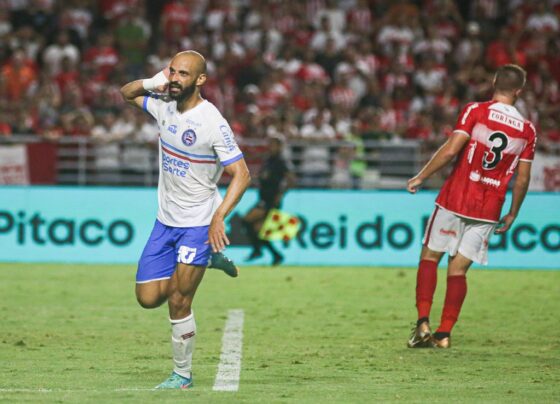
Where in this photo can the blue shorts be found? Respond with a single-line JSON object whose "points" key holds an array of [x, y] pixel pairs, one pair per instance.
{"points": [[168, 246]]}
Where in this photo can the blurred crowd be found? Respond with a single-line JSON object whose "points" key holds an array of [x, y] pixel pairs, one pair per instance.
{"points": [[321, 70]]}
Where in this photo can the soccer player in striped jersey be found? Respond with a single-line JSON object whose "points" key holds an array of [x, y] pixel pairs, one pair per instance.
{"points": [[491, 141], [196, 145]]}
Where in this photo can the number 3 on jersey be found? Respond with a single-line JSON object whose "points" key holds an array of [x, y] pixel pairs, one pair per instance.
{"points": [[494, 156]]}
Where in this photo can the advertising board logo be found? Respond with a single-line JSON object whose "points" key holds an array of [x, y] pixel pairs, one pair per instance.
{"points": [[63, 231], [380, 234], [188, 137]]}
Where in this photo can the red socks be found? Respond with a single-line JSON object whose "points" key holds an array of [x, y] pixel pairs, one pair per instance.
{"points": [[426, 281], [454, 297]]}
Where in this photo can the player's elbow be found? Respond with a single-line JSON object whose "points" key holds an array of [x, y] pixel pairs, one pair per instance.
{"points": [[246, 177], [243, 176], [126, 93], [448, 154]]}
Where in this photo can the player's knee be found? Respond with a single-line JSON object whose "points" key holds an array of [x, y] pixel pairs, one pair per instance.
{"points": [[458, 265], [430, 255], [148, 300], [456, 271], [178, 302]]}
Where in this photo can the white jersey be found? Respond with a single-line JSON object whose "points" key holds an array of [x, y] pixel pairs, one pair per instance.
{"points": [[194, 146]]}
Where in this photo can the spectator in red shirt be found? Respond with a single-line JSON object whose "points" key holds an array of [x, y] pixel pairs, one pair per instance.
{"points": [[341, 95], [503, 51], [68, 74], [175, 20], [421, 127], [103, 56], [5, 127]]}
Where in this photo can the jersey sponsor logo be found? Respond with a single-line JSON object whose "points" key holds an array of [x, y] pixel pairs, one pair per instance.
{"points": [[491, 181], [188, 137], [172, 129], [475, 176], [174, 165], [506, 120], [227, 135]]}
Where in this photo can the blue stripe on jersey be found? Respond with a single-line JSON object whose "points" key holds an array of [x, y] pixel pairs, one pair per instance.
{"points": [[232, 160], [200, 156], [145, 103]]}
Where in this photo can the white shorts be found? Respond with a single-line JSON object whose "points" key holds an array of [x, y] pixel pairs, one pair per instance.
{"points": [[447, 232]]}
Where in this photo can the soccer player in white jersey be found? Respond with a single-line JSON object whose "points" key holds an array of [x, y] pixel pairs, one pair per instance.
{"points": [[196, 145], [491, 141]]}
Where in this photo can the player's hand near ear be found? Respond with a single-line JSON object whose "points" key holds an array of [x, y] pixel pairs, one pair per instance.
{"points": [[158, 82]]}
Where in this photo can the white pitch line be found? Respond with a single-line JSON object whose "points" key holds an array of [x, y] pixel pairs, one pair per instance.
{"points": [[2, 390], [227, 378]]}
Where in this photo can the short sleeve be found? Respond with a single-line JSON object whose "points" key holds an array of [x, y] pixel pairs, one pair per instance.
{"points": [[151, 105], [528, 153], [466, 119], [225, 145]]}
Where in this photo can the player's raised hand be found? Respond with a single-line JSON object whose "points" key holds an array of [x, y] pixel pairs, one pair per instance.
{"points": [[163, 87], [413, 184], [158, 82], [504, 224], [217, 234]]}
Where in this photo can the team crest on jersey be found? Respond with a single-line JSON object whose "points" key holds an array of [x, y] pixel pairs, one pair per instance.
{"points": [[188, 137]]}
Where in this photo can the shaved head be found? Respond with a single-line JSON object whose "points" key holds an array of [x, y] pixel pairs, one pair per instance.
{"points": [[196, 60], [187, 72]]}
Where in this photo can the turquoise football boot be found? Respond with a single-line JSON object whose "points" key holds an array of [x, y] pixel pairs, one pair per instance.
{"points": [[176, 381]]}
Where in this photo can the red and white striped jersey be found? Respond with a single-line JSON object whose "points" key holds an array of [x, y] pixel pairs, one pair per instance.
{"points": [[499, 138]]}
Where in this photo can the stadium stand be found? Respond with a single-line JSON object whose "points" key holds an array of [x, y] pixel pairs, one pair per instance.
{"points": [[362, 90]]}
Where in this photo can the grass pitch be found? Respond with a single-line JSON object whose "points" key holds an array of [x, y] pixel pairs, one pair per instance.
{"points": [[74, 333]]}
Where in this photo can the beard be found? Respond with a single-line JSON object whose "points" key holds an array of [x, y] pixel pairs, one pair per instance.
{"points": [[185, 93]]}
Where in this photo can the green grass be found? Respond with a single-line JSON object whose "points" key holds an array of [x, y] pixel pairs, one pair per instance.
{"points": [[310, 335]]}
